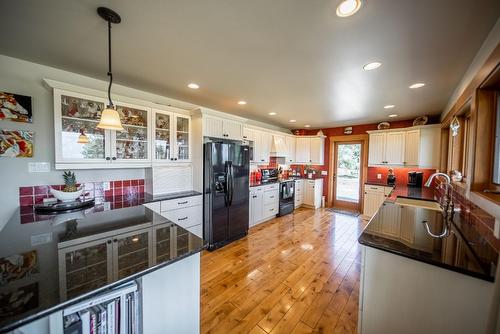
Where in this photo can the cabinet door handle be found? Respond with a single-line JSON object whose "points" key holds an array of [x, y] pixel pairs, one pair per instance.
{"points": [[271, 196], [254, 196], [181, 203], [115, 240], [244, 137], [109, 242], [182, 218], [108, 158], [113, 158]]}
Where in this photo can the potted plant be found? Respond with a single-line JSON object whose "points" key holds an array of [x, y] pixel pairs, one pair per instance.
{"points": [[309, 171], [70, 191]]}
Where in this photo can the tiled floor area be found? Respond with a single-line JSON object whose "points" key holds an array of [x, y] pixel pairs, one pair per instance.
{"points": [[295, 274]]}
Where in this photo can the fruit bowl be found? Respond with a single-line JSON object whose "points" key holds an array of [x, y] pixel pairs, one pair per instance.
{"points": [[66, 196]]}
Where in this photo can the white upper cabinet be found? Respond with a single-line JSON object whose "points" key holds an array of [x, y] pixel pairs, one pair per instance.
{"points": [[222, 128], [395, 148], [248, 134], [76, 113], [309, 150], [262, 146], [290, 147], [415, 146], [412, 148], [171, 137]]}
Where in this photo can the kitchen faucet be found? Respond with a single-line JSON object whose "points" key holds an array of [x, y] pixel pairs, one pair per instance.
{"points": [[449, 207]]}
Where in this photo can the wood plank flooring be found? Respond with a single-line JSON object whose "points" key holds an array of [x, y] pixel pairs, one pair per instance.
{"points": [[295, 274]]}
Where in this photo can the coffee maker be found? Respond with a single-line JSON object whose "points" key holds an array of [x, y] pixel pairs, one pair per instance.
{"points": [[415, 179]]}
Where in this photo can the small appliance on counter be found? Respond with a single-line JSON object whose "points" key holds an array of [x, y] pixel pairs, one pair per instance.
{"points": [[415, 179], [269, 175], [391, 178]]}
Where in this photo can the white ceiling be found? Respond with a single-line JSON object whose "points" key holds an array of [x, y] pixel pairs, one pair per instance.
{"points": [[292, 57]]}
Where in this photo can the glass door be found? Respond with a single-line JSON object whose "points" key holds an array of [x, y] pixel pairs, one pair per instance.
{"points": [[79, 114], [347, 175], [163, 136], [182, 138], [163, 243], [131, 144], [84, 268], [132, 253]]}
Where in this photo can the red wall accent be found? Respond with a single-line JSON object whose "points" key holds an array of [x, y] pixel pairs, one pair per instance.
{"points": [[401, 174]]}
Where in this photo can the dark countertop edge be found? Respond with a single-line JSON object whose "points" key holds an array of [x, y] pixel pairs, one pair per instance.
{"points": [[149, 198], [106, 288], [259, 184], [427, 261], [381, 184]]}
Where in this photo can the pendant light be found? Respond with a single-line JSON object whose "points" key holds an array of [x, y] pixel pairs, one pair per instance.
{"points": [[110, 119], [82, 139]]}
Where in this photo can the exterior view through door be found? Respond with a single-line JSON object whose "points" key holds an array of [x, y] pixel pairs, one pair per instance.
{"points": [[347, 175]]}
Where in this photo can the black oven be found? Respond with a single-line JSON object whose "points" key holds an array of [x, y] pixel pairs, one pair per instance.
{"points": [[287, 197]]}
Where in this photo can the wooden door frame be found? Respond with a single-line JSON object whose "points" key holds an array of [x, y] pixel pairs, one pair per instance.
{"points": [[364, 164]]}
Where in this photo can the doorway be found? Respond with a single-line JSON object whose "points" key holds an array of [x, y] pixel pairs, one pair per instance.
{"points": [[348, 174]]}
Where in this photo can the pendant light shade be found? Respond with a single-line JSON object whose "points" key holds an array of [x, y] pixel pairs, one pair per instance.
{"points": [[110, 118], [82, 139]]}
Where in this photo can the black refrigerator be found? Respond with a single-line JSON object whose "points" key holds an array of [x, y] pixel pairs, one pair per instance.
{"points": [[226, 192]]}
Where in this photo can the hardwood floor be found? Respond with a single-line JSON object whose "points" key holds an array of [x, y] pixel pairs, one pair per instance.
{"points": [[295, 274]]}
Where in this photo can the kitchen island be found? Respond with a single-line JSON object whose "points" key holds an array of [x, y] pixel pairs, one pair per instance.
{"points": [[61, 265], [424, 273]]}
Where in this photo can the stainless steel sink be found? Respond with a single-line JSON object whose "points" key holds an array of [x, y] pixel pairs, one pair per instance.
{"points": [[417, 203]]}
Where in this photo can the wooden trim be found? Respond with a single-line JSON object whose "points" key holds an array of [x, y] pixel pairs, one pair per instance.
{"points": [[482, 75], [364, 163]]}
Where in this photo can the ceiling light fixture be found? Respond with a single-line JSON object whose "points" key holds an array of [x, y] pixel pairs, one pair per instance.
{"points": [[372, 66], [417, 85], [110, 119], [393, 115], [293, 121], [348, 7], [192, 85], [389, 106], [272, 113], [242, 103], [307, 126]]}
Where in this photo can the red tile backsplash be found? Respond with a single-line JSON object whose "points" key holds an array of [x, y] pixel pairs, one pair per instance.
{"points": [[121, 193], [400, 172]]}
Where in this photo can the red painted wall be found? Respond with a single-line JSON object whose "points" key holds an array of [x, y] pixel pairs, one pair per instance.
{"points": [[401, 174]]}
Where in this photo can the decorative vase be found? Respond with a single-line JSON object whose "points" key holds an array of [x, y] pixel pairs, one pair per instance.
{"points": [[66, 196]]}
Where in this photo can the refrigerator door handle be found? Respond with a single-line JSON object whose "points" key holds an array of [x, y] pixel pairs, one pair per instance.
{"points": [[232, 184]]}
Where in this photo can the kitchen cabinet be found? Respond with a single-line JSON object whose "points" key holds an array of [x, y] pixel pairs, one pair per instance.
{"points": [[374, 196], [290, 147], [222, 128], [264, 203], [299, 192], [172, 137], [86, 266], [187, 212], [262, 146], [313, 191], [390, 218], [309, 150], [75, 113], [414, 146]]}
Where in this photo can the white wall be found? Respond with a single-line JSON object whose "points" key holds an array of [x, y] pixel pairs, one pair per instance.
{"points": [[26, 78]]}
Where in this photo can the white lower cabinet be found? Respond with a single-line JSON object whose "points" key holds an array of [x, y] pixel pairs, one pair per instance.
{"points": [[374, 197], [313, 191], [264, 203], [299, 192]]}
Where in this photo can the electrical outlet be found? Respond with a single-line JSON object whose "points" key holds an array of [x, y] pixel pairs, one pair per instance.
{"points": [[39, 167], [324, 172], [379, 176], [40, 239]]}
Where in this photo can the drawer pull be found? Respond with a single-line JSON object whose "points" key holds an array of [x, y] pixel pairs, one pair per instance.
{"points": [[373, 188], [271, 196], [182, 218], [181, 203]]}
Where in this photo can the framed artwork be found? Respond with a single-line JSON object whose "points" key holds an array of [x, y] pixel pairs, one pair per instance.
{"points": [[18, 266], [19, 300], [15, 107], [16, 143]]}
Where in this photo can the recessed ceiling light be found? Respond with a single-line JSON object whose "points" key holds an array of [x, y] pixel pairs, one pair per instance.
{"points": [[348, 7], [192, 85], [307, 126], [417, 85], [389, 106], [393, 115], [272, 113], [241, 103], [293, 120], [372, 66]]}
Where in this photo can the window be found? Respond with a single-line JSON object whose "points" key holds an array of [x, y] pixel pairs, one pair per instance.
{"points": [[466, 138]]}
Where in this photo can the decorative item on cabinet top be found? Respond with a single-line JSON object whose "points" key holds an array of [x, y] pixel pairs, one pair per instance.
{"points": [[383, 126]]}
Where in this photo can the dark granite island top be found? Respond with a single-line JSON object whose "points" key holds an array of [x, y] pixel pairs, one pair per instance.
{"points": [[48, 265], [403, 231]]}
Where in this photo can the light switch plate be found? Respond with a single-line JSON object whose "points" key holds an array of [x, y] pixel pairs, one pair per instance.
{"points": [[40, 239], [379, 176], [324, 172], [39, 167]]}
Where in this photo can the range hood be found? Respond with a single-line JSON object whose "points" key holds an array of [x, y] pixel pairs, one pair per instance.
{"points": [[278, 147]]}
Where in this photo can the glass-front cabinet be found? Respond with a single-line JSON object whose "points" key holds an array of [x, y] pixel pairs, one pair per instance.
{"points": [[171, 136], [131, 144]]}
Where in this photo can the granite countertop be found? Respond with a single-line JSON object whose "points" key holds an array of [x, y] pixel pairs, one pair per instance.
{"points": [[462, 249], [50, 264], [260, 183]]}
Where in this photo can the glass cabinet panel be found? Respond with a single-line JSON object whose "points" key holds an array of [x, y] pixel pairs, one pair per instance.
{"points": [[132, 142], [81, 115], [132, 254], [182, 137], [182, 240], [86, 269], [163, 244], [162, 136]]}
